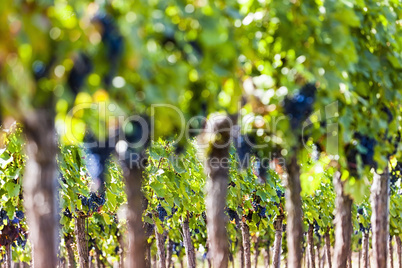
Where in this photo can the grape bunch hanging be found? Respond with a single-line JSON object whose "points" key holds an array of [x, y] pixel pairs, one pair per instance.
{"points": [[12, 233], [94, 203]]}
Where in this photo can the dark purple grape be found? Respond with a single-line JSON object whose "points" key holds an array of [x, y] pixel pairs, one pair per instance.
{"points": [[81, 69], [3, 216], [39, 69], [262, 211], [204, 215], [278, 193], [360, 211], [361, 228], [19, 214], [161, 212], [243, 145], [387, 111], [233, 215], [300, 106], [67, 213], [254, 205], [113, 42], [366, 150], [196, 47]]}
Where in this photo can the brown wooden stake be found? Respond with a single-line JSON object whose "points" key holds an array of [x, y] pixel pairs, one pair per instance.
{"points": [[365, 254], [245, 231], [241, 252], [160, 245], [69, 240], [218, 151], [343, 222], [294, 218], [276, 258], [257, 252], [188, 244], [8, 258], [169, 256], [310, 239], [391, 253], [39, 186], [380, 218], [399, 250], [133, 176], [82, 243]]}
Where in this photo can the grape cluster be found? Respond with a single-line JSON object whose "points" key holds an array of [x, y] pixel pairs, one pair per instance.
{"points": [[368, 144], [316, 229], [113, 42], [81, 69], [259, 209], [360, 210], [12, 232], [280, 193], [262, 169], [367, 153], [196, 48], [262, 211], [243, 148], [41, 69], [3, 217], [162, 214], [67, 213], [395, 174], [387, 111], [19, 214], [22, 241], [97, 157], [177, 247], [249, 216], [94, 203], [233, 215], [300, 106], [63, 180], [361, 228]]}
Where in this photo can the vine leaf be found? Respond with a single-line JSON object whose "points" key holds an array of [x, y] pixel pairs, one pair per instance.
{"points": [[12, 189]]}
